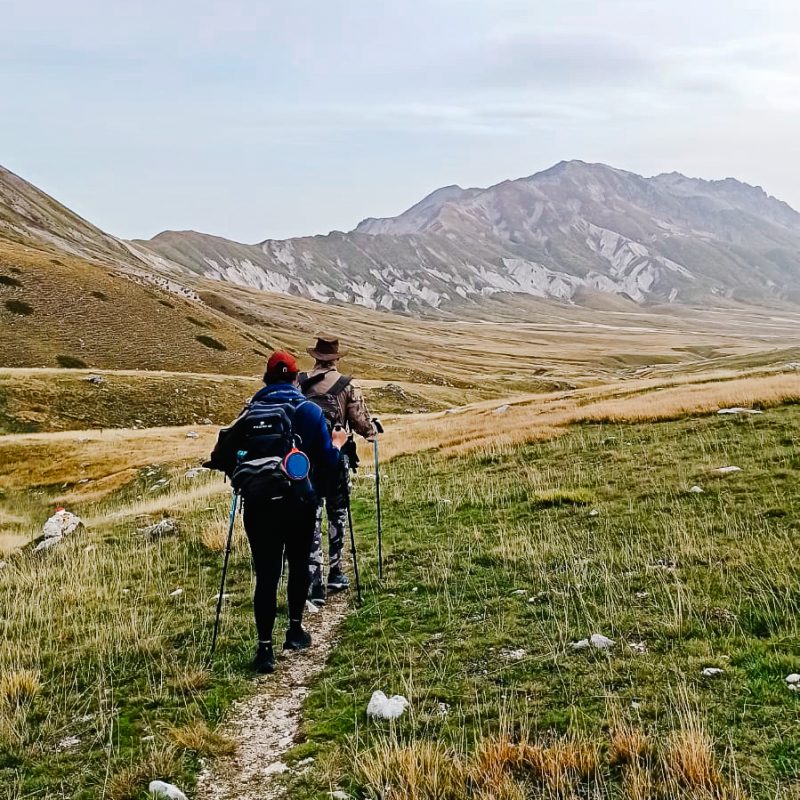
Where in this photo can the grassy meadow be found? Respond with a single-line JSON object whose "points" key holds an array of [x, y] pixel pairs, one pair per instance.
{"points": [[496, 563]]}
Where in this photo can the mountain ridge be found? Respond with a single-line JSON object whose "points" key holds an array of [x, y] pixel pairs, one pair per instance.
{"points": [[571, 232]]}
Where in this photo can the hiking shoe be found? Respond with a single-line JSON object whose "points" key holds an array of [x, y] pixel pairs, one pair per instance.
{"points": [[317, 595], [264, 661], [297, 639], [338, 581]]}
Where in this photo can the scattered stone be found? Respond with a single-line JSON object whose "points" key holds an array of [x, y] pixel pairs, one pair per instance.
{"points": [[276, 768], [501, 409], [339, 795], [712, 672], [595, 512], [793, 682], [193, 435], [165, 527], [738, 410], [519, 592], [306, 762], [638, 647], [195, 471], [727, 470], [61, 524], [450, 411], [68, 743], [177, 593], [583, 644], [311, 608], [696, 490], [206, 421], [3, 564], [442, 709], [666, 563], [513, 655], [384, 707], [642, 595], [600, 642], [168, 790], [95, 379]]}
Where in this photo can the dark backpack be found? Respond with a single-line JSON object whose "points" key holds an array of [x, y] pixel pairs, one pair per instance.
{"points": [[329, 401], [252, 451]]}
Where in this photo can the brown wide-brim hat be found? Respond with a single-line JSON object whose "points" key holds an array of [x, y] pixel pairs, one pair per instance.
{"points": [[326, 349]]}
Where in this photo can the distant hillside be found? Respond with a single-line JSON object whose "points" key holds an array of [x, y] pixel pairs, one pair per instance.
{"points": [[67, 311], [575, 232]]}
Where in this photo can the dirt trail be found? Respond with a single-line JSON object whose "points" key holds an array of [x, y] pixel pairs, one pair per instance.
{"points": [[264, 726]]}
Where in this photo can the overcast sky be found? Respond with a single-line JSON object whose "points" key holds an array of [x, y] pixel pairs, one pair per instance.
{"points": [[255, 118]]}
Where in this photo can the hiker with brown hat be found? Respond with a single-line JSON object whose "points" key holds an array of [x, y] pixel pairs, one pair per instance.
{"points": [[343, 405]]}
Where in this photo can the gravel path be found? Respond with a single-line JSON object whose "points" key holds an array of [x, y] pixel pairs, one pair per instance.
{"points": [[265, 725]]}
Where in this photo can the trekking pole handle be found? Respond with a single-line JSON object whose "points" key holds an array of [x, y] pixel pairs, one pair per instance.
{"points": [[377, 423]]}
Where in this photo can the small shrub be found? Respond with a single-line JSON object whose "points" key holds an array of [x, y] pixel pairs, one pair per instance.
{"points": [[70, 362], [99, 295], [210, 341], [19, 307], [7, 280], [18, 688], [197, 737]]}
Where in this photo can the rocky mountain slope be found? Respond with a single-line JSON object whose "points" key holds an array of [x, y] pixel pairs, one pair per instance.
{"points": [[573, 232]]}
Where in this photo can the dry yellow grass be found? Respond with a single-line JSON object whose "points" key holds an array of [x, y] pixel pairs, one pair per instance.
{"points": [[197, 737], [18, 687]]}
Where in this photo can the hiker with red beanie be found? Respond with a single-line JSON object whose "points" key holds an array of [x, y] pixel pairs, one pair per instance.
{"points": [[279, 508]]}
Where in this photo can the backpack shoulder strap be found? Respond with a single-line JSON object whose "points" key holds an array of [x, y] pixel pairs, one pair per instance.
{"points": [[340, 385], [307, 382]]}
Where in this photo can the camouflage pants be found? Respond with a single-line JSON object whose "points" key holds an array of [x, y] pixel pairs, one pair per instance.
{"points": [[336, 507]]}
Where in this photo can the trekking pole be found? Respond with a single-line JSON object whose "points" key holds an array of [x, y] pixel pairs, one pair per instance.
{"points": [[231, 520], [378, 429], [350, 525]]}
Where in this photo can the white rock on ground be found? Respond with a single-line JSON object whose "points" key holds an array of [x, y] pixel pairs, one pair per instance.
{"points": [[311, 608], [177, 593], [276, 768], [793, 682], [500, 410], [696, 490], [3, 564], [600, 642], [514, 655], [61, 524], [67, 743], [727, 470], [384, 707], [168, 790], [712, 672], [339, 795], [195, 471], [580, 645], [595, 512], [193, 435], [164, 527], [738, 410]]}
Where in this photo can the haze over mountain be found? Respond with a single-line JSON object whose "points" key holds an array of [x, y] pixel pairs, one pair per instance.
{"points": [[576, 232]]}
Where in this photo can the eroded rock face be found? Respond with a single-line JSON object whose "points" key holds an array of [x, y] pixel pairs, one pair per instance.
{"points": [[573, 230]]}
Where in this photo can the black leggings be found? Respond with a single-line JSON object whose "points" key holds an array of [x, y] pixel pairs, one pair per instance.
{"points": [[275, 528]]}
